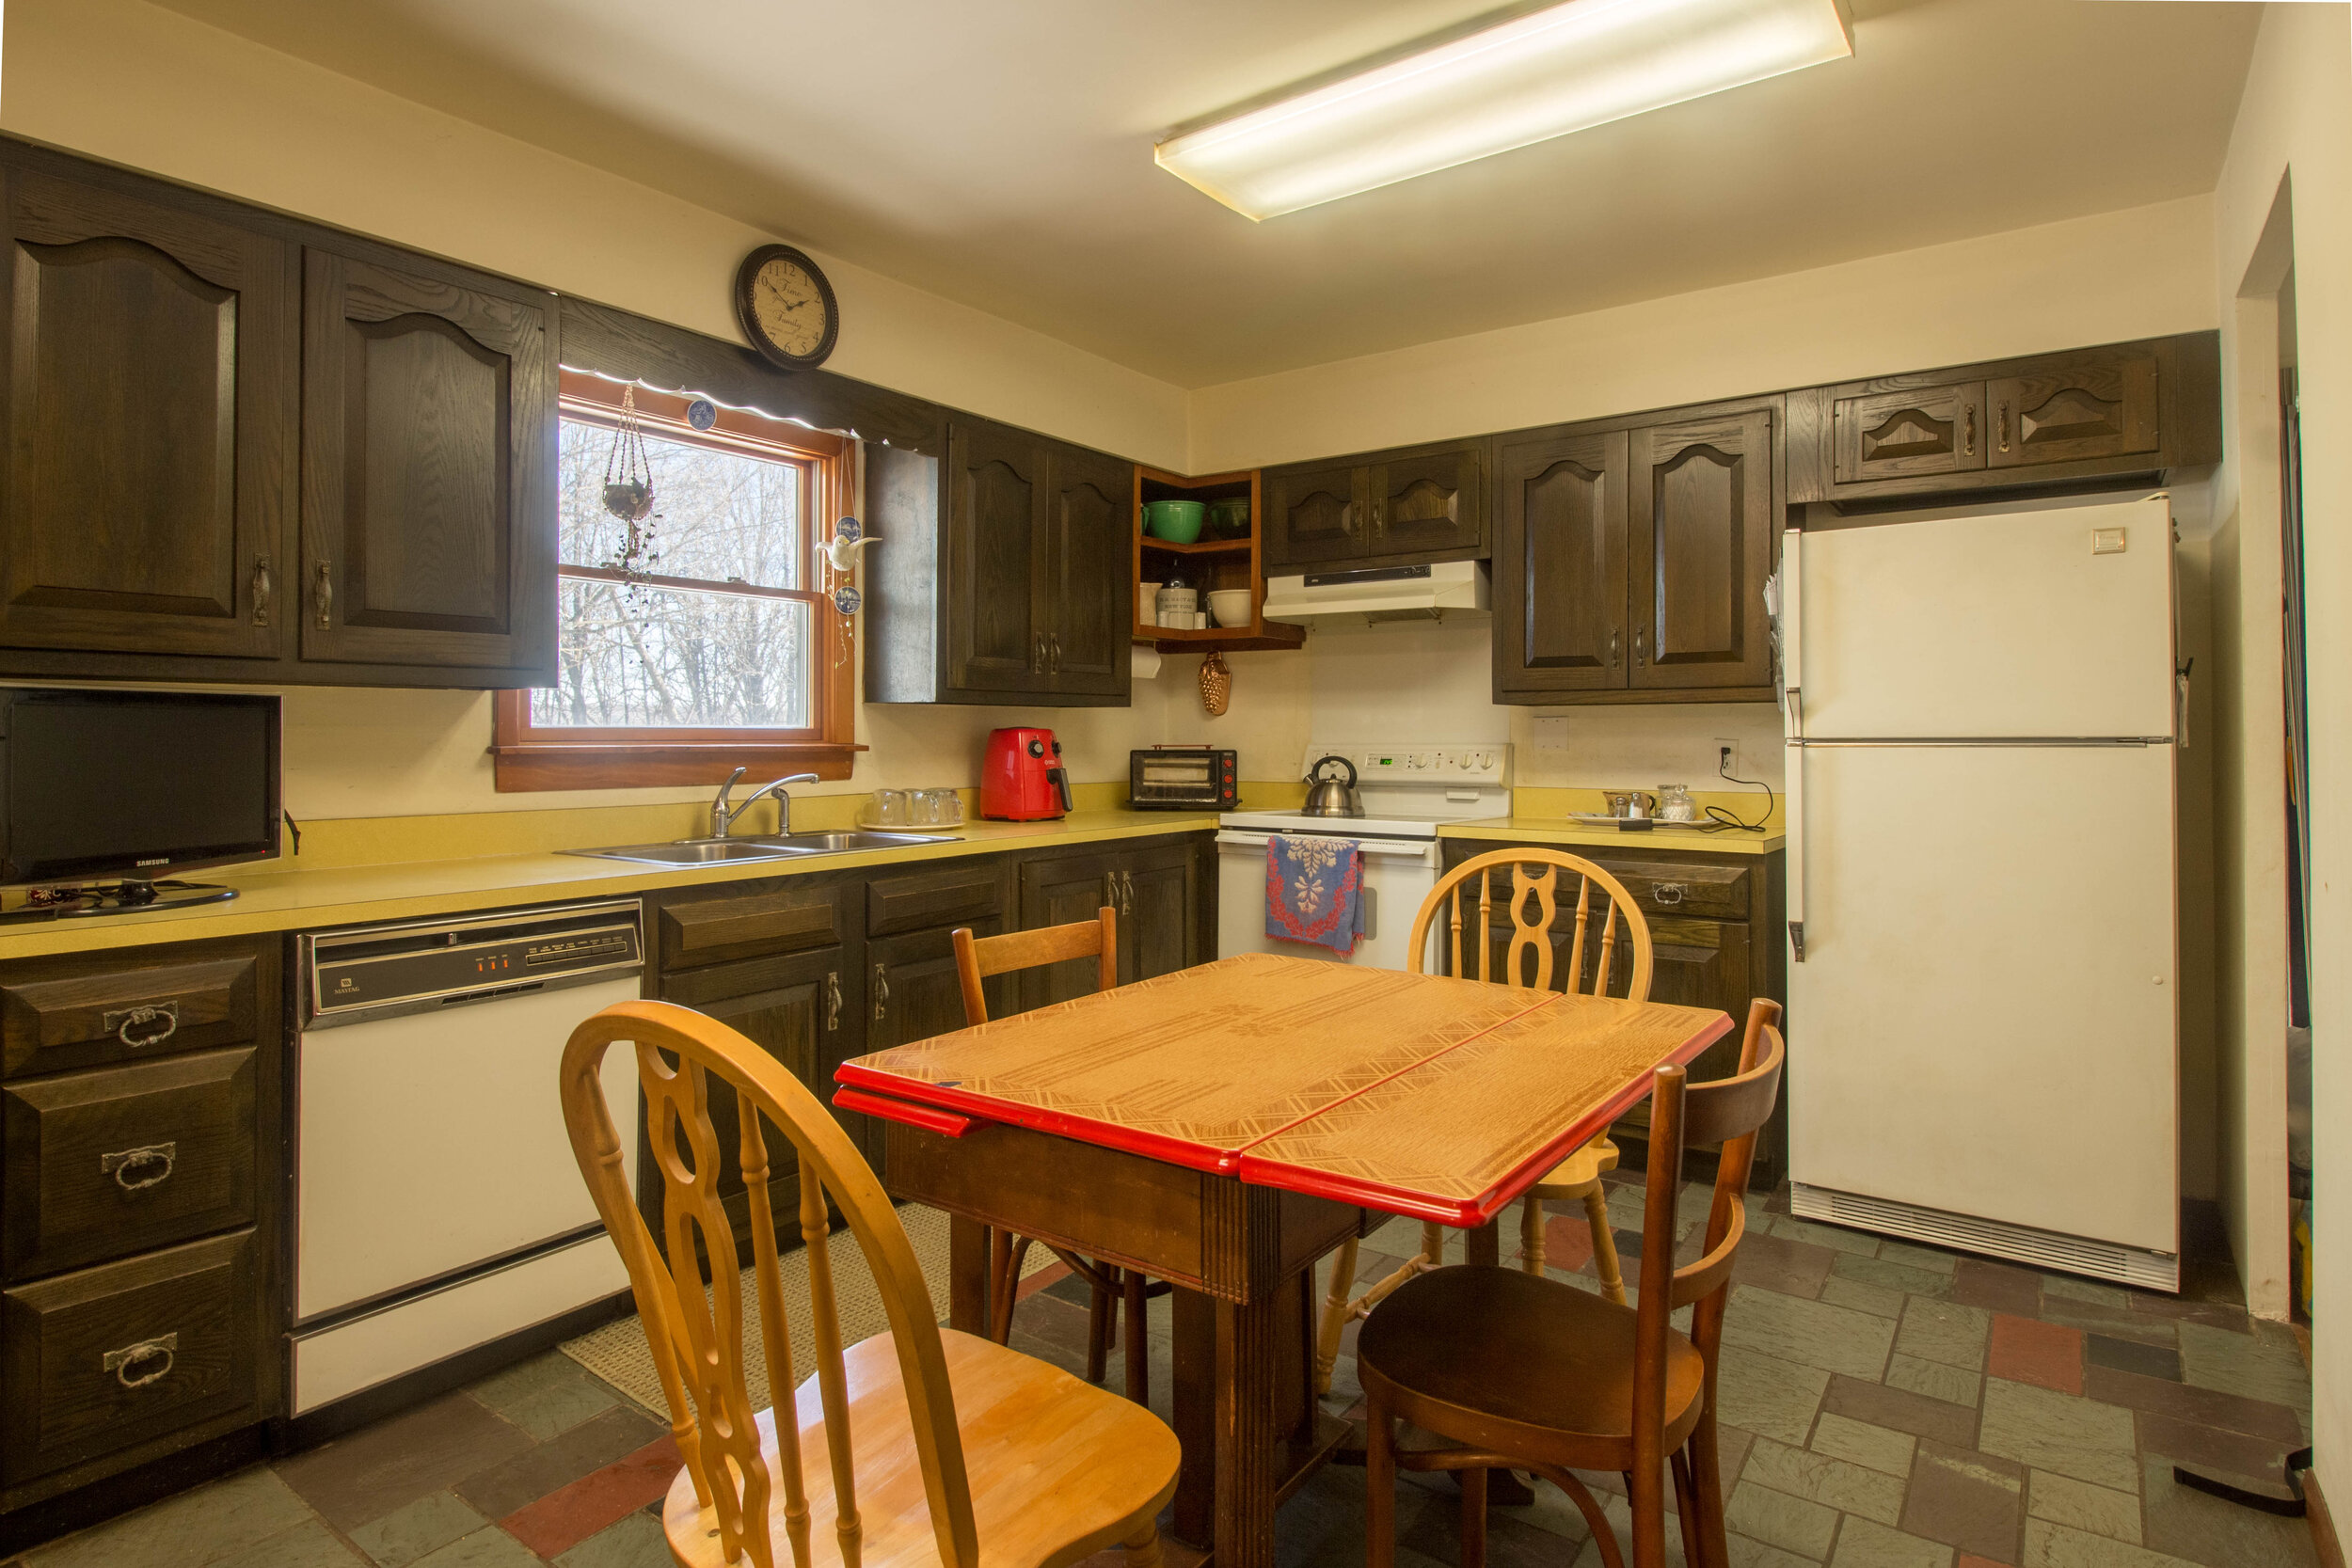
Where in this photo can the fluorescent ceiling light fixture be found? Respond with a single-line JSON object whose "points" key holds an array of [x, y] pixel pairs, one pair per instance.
{"points": [[1535, 76]]}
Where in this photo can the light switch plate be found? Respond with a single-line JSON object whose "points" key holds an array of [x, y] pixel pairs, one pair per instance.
{"points": [[2106, 541]]}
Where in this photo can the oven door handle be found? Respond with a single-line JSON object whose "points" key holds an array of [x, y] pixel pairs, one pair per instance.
{"points": [[1421, 850]]}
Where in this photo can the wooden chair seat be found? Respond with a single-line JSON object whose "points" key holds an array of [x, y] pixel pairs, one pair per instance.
{"points": [[1574, 1174], [1550, 1375], [1059, 1468]]}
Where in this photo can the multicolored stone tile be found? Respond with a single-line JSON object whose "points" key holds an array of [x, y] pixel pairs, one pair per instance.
{"points": [[1967, 1499]]}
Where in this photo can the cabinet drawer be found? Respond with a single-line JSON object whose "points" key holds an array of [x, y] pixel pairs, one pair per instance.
{"points": [[87, 1012], [958, 896], [1680, 888], [110, 1358], [100, 1165], [790, 918]]}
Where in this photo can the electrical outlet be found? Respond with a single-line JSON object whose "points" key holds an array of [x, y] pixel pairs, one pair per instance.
{"points": [[1724, 743], [1548, 731]]}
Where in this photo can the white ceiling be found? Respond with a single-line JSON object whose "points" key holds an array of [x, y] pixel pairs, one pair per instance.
{"points": [[1000, 154]]}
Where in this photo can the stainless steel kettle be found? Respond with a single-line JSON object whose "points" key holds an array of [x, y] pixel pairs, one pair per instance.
{"points": [[1329, 797]]}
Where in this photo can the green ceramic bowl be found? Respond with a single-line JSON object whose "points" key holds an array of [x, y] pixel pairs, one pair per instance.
{"points": [[1178, 522], [1229, 518]]}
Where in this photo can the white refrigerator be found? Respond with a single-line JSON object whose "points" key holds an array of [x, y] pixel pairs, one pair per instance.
{"points": [[1981, 719]]}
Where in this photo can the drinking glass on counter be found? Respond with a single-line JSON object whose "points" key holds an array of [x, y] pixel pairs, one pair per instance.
{"points": [[890, 808]]}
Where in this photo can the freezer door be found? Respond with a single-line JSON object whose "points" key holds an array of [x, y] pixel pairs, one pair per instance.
{"points": [[2004, 624], [1985, 1023]]}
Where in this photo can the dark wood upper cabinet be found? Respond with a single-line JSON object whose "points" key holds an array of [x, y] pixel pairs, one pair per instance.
{"points": [[152, 375], [1089, 602], [1315, 514], [1700, 527], [1407, 507], [1935, 430], [2097, 404], [2121, 412], [1559, 579], [429, 436], [1012, 574], [995, 560]]}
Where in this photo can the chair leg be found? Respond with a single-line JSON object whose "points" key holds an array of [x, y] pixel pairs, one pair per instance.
{"points": [[1532, 1236], [999, 1285], [1473, 1518], [1379, 1486], [1143, 1547], [1687, 1511], [1335, 1302], [1138, 1341], [1432, 1245], [1713, 1548], [1645, 1492], [1102, 1322], [1604, 1245]]}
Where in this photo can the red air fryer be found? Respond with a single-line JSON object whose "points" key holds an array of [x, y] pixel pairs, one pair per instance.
{"points": [[1022, 779]]}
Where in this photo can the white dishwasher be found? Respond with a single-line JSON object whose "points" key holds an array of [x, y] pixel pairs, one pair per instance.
{"points": [[436, 1203]]}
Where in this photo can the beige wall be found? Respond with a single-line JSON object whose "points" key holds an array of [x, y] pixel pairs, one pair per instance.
{"points": [[2285, 195], [2132, 274]]}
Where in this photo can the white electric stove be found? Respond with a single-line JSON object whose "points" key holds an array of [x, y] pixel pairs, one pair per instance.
{"points": [[1407, 792]]}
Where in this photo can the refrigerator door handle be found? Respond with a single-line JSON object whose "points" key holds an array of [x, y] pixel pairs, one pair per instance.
{"points": [[1792, 707]]}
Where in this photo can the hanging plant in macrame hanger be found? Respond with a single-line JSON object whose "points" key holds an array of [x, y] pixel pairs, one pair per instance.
{"points": [[628, 496]]}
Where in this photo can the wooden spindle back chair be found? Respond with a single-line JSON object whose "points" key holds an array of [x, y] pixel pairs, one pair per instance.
{"points": [[1534, 1374], [977, 959], [866, 1404], [1531, 902]]}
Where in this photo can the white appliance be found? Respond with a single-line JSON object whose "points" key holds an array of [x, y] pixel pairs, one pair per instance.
{"points": [[1407, 792], [1387, 593], [1981, 882], [436, 1202]]}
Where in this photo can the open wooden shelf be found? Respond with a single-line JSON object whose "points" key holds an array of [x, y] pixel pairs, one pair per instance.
{"points": [[1210, 563]]}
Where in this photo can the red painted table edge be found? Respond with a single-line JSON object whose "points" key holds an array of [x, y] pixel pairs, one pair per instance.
{"points": [[986, 1108], [929, 1117], [1474, 1212]]}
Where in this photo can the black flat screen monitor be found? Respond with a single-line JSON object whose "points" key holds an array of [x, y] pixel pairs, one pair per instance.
{"points": [[134, 785]]}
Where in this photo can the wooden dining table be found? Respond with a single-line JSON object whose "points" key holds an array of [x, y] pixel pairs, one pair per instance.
{"points": [[1225, 1126]]}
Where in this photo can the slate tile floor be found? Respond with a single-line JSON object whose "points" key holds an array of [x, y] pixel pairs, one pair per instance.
{"points": [[1886, 1406]]}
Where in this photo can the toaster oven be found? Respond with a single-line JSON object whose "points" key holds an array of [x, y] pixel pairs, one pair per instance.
{"points": [[1182, 778]]}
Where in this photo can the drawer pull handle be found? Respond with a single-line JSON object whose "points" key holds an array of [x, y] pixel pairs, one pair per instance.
{"points": [[131, 1025], [881, 992], [323, 595], [1669, 893], [151, 1358], [134, 1168], [832, 1000], [262, 586]]}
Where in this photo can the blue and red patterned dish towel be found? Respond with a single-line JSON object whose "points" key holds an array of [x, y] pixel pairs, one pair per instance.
{"points": [[1314, 890]]}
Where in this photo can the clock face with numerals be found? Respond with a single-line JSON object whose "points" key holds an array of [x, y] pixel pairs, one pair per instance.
{"points": [[786, 307]]}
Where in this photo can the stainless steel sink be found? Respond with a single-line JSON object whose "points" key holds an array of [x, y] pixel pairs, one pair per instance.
{"points": [[699, 851], [719, 851]]}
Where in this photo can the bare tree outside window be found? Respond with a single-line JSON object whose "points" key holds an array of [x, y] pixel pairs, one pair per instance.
{"points": [[701, 638]]}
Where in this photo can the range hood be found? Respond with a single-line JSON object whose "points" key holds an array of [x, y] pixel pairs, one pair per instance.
{"points": [[1380, 593]]}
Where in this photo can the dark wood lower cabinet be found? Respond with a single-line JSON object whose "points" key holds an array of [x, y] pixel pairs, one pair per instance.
{"points": [[1715, 924], [141, 1193]]}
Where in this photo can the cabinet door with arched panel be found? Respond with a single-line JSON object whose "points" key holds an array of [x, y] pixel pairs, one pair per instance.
{"points": [[1701, 519], [428, 495], [1934, 430], [1560, 564], [1430, 501], [150, 395], [2096, 404], [1317, 513]]}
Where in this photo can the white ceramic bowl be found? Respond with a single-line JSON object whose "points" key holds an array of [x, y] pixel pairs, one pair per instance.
{"points": [[1231, 606]]}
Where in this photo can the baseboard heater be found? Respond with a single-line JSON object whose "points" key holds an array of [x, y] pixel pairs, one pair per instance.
{"points": [[2041, 1249]]}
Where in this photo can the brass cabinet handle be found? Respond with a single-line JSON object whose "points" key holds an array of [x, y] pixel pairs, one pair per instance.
{"points": [[1037, 656], [1669, 893], [2000, 426], [121, 1023], [1613, 650], [1126, 892], [145, 1167], [1379, 516], [1641, 654], [323, 595], [156, 1356], [881, 992], [832, 1000], [1053, 651], [1968, 432], [261, 590]]}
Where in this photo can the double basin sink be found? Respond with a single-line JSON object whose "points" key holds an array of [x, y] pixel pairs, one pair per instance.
{"points": [[777, 846]]}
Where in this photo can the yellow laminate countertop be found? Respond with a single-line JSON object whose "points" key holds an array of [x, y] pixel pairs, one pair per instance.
{"points": [[1568, 834], [413, 890]]}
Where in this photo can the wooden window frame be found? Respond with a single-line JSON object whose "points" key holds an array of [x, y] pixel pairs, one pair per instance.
{"points": [[526, 758]]}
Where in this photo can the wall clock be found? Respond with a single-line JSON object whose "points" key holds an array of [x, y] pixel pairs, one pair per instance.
{"points": [[786, 307]]}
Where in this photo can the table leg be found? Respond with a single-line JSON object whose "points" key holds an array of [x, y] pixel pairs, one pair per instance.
{"points": [[1192, 1324], [1248, 1352], [1484, 1244], [967, 1275]]}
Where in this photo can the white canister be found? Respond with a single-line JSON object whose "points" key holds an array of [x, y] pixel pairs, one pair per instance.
{"points": [[1177, 606]]}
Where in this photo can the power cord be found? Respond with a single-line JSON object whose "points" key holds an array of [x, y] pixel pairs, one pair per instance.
{"points": [[1720, 818]]}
